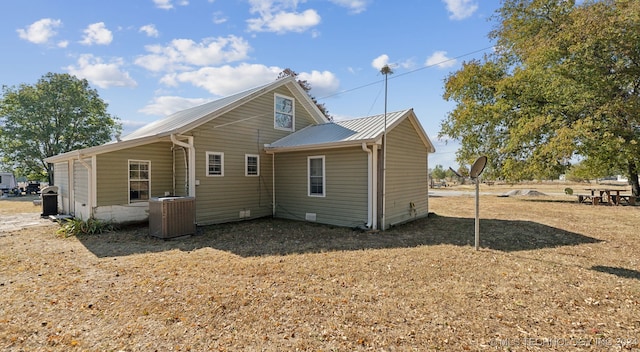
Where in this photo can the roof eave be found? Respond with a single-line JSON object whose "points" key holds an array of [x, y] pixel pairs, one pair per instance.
{"points": [[332, 145], [104, 148]]}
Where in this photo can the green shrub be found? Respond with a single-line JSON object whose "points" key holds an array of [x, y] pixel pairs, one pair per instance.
{"points": [[79, 227]]}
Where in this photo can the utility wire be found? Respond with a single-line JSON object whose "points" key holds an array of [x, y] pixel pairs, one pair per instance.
{"points": [[408, 72]]}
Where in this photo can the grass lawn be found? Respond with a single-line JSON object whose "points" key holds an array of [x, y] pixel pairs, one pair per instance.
{"points": [[550, 274]]}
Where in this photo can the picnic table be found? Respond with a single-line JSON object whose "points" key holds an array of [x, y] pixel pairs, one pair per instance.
{"points": [[608, 196]]}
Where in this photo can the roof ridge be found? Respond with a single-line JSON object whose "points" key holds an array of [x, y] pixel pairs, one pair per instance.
{"points": [[376, 115]]}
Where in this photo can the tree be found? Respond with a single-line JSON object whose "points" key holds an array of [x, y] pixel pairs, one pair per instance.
{"points": [[564, 82], [307, 87], [438, 173], [58, 114]]}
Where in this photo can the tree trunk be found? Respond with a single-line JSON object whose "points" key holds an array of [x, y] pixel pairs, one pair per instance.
{"points": [[49, 169], [633, 179]]}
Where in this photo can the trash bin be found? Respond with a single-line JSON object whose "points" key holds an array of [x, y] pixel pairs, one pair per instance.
{"points": [[49, 200]]}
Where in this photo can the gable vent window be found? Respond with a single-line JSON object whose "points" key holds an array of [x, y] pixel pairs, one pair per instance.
{"points": [[284, 118]]}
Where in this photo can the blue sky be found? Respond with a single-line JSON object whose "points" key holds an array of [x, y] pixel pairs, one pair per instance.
{"points": [[150, 58]]}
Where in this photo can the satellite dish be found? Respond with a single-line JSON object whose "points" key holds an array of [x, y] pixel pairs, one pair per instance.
{"points": [[478, 167], [455, 172]]}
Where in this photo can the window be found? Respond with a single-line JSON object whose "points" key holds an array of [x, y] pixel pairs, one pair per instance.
{"points": [[316, 176], [284, 113], [139, 180], [215, 164], [251, 165]]}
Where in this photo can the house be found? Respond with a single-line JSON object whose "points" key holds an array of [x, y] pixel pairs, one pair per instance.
{"points": [[267, 151]]}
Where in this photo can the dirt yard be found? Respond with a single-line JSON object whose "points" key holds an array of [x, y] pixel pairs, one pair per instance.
{"points": [[551, 274]]}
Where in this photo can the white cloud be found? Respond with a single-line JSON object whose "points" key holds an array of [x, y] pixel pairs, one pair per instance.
{"points": [[63, 44], [440, 59], [129, 124], [219, 18], [226, 80], [103, 75], [181, 54], [283, 22], [356, 6], [168, 4], [150, 30], [39, 32], [461, 9], [167, 105], [322, 83], [97, 33], [280, 16], [379, 62]]}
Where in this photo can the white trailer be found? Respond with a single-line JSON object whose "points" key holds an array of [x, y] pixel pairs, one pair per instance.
{"points": [[7, 182]]}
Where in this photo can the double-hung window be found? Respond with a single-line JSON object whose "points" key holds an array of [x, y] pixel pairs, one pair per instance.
{"points": [[316, 176], [139, 180], [251, 165], [215, 164], [284, 118]]}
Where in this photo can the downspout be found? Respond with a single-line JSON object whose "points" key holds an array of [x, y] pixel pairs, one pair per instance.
{"points": [[273, 184], [192, 161], [374, 183], [173, 171], [369, 184]]}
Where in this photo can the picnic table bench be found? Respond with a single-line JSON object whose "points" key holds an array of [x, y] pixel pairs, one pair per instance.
{"points": [[606, 196], [589, 199]]}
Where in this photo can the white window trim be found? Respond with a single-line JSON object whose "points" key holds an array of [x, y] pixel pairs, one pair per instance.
{"points": [[293, 112], [129, 161], [246, 164], [324, 176], [206, 170]]}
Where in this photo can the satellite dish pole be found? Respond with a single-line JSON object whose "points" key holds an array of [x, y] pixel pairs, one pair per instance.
{"points": [[386, 71], [476, 170]]}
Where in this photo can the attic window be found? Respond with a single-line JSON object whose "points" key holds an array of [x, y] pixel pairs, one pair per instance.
{"points": [[284, 117]]}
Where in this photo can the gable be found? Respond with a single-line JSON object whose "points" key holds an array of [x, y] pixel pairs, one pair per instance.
{"points": [[349, 132], [187, 120]]}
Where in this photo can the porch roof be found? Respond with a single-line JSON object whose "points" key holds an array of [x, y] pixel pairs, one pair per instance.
{"points": [[347, 133]]}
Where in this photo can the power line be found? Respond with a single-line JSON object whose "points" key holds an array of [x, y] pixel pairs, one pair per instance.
{"points": [[408, 72]]}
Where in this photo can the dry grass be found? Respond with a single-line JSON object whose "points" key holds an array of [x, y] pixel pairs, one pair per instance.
{"points": [[551, 274], [13, 205]]}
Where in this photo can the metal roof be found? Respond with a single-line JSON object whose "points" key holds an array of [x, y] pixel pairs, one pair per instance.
{"points": [[184, 120], [346, 132], [184, 117]]}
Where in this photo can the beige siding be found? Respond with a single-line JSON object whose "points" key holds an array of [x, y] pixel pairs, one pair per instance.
{"points": [[244, 130], [113, 172], [81, 181], [345, 201], [61, 179], [81, 188], [406, 175]]}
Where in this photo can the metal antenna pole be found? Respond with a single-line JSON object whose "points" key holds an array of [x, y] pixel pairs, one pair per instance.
{"points": [[477, 212], [385, 70]]}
